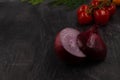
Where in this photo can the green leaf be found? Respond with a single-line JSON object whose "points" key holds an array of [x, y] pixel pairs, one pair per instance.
{"points": [[70, 3], [33, 2]]}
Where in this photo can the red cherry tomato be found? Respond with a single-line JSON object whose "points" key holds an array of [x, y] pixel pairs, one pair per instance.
{"points": [[111, 9], [101, 16], [95, 3], [84, 18], [82, 8]]}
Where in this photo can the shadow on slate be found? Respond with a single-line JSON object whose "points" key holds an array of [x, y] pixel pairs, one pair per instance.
{"points": [[27, 39]]}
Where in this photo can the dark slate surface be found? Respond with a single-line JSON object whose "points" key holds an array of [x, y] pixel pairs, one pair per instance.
{"points": [[26, 44]]}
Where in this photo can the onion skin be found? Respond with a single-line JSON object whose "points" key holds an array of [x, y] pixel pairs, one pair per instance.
{"points": [[94, 47]]}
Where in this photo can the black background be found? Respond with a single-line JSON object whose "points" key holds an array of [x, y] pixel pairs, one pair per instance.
{"points": [[27, 36]]}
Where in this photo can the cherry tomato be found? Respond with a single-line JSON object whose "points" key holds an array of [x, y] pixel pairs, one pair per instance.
{"points": [[111, 9], [95, 3], [101, 16], [94, 0], [84, 18], [82, 8]]}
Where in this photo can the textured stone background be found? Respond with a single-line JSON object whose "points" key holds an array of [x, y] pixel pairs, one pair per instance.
{"points": [[26, 44]]}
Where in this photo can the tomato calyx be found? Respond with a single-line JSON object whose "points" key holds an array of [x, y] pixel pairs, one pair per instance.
{"points": [[98, 4], [89, 11]]}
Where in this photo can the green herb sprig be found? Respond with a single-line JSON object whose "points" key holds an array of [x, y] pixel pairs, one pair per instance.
{"points": [[33, 2], [68, 3]]}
